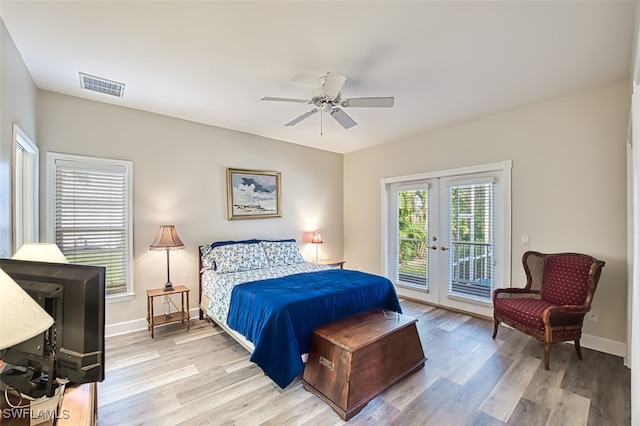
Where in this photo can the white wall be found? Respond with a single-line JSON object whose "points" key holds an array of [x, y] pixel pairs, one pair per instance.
{"points": [[633, 182], [179, 178], [633, 316], [17, 105], [568, 185]]}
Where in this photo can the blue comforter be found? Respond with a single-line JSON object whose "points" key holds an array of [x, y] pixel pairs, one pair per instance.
{"points": [[278, 315]]}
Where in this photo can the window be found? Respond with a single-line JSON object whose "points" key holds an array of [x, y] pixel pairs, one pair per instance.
{"points": [[91, 223], [25, 189]]}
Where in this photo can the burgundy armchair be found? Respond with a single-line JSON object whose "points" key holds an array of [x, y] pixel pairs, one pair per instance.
{"points": [[552, 305]]}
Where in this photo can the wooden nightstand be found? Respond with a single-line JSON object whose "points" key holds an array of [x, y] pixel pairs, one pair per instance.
{"points": [[181, 315], [332, 262]]}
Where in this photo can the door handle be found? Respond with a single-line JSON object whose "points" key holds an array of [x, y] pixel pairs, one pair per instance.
{"points": [[444, 248], [434, 247]]}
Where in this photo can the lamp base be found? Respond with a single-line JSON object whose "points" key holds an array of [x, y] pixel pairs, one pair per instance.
{"points": [[167, 287]]}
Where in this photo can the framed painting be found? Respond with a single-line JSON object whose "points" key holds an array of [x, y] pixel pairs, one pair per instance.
{"points": [[253, 194]]}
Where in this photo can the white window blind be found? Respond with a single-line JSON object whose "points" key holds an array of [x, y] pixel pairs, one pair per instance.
{"points": [[471, 262], [92, 217], [412, 254]]}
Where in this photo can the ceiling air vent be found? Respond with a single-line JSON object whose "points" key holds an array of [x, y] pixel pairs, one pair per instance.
{"points": [[101, 85]]}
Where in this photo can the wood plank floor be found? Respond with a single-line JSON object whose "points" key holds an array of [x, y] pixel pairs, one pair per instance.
{"points": [[203, 377]]}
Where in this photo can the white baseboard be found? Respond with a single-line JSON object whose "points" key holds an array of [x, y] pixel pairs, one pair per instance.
{"points": [[136, 325], [601, 344]]}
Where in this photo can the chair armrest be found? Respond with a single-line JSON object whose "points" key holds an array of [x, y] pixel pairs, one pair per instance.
{"points": [[564, 314], [507, 292], [573, 309]]}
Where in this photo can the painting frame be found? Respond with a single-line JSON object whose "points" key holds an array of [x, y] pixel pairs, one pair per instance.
{"points": [[253, 194]]}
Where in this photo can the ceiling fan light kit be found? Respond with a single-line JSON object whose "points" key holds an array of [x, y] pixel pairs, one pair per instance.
{"points": [[328, 98]]}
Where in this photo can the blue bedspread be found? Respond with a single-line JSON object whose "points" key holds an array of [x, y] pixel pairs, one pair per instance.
{"points": [[278, 315]]}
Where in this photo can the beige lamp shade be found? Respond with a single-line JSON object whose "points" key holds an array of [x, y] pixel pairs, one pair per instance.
{"points": [[40, 252], [167, 239], [21, 318]]}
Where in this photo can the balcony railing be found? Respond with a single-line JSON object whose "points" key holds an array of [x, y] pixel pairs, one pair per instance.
{"points": [[471, 269], [412, 262], [471, 272]]}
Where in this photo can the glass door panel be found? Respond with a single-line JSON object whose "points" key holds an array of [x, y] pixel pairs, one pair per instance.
{"points": [[415, 218], [471, 241]]}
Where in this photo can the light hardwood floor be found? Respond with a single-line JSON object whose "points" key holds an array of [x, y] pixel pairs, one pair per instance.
{"points": [[203, 377]]}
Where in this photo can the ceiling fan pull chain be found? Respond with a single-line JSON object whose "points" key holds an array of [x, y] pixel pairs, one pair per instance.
{"points": [[321, 123]]}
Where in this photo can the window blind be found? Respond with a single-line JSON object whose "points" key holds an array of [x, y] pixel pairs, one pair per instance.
{"points": [[412, 242], [471, 251], [91, 217]]}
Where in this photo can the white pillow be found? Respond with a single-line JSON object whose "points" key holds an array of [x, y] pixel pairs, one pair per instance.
{"points": [[281, 253], [206, 256]]}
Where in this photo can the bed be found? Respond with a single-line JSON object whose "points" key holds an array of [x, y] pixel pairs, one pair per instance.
{"points": [[269, 299]]}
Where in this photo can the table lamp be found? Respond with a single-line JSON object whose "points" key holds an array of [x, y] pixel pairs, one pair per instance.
{"points": [[167, 240], [21, 318], [40, 252], [316, 239]]}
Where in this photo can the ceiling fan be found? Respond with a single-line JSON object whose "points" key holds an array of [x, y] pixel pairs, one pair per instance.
{"points": [[328, 98]]}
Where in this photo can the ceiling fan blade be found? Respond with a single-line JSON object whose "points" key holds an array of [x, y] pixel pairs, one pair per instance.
{"points": [[299, 101], [302, 117], [333, 84], [372, 102], [341, 117]]}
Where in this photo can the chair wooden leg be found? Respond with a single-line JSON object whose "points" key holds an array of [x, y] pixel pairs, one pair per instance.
{"points": [[576, 343], [547, 349], [495, 327]]}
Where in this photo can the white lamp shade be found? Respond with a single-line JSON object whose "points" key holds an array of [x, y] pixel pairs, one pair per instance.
{"points": [[40, 252], [21, 318]]}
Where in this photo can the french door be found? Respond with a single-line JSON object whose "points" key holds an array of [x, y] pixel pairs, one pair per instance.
{"points": [[416, 238], [446, 240]]}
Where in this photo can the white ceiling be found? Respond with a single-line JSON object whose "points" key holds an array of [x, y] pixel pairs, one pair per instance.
{"points": [[211, 62]]}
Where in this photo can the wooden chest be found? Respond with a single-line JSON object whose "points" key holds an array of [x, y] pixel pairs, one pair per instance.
{"points": [[353, 360]]}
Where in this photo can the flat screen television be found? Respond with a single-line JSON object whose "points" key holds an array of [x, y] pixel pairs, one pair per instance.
{"points": [[73, 348]]}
